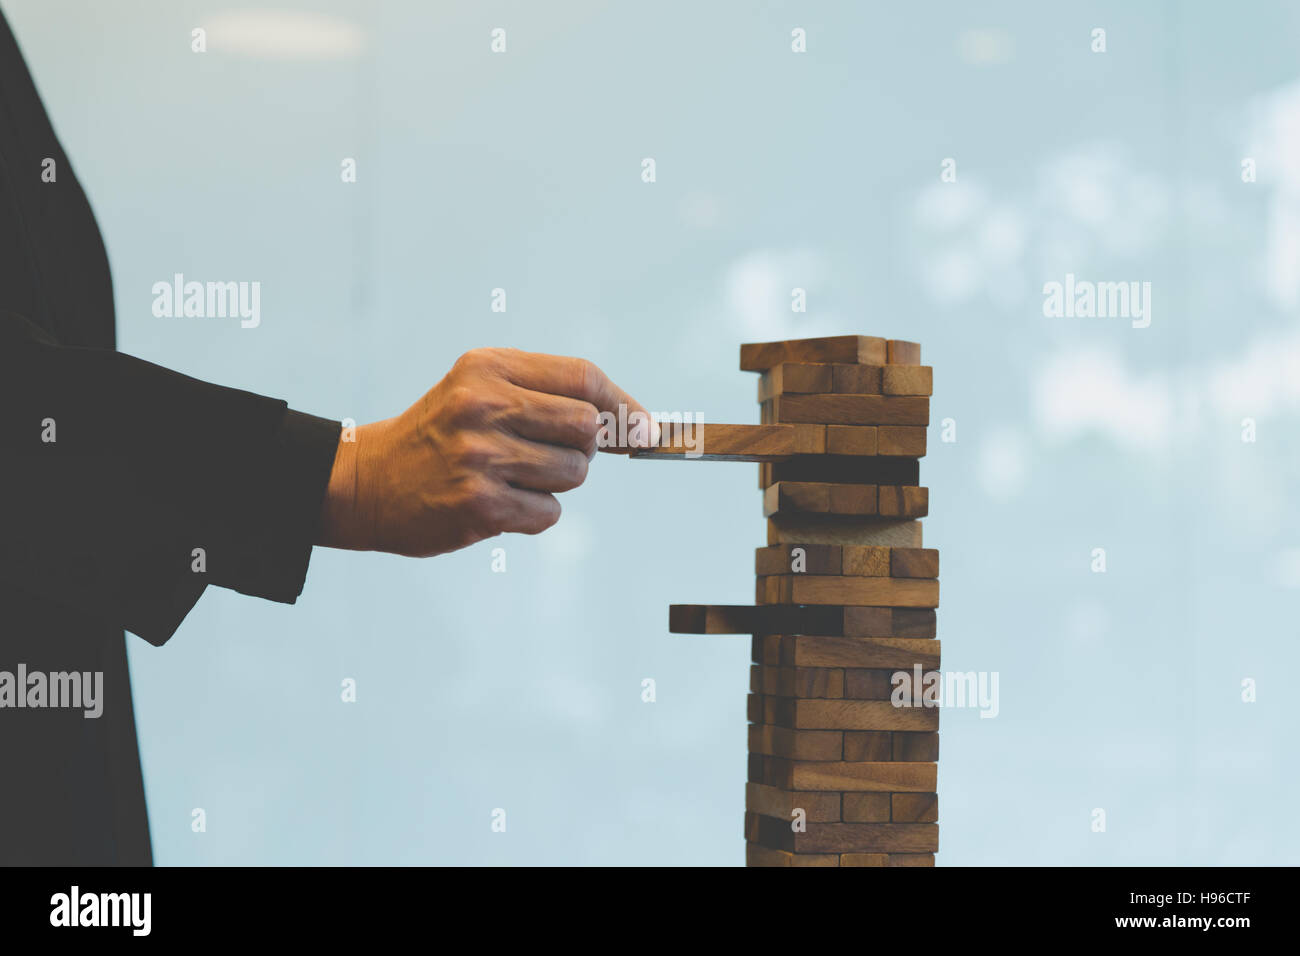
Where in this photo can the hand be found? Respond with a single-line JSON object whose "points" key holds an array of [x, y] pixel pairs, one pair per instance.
{"points": [[484, 451]]}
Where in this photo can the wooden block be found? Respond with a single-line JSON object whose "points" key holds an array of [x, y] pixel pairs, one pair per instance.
{"points": [[903, 353], [866, 808], [707, 442], [904, 440], [867, 745], [912, 807], [859, 859], [845, 837], [873, 653], [855, 440], [902, 622], [907, 380], [866, 561], [837, 409], [906, 859], [843, 589], [819, 807], [868, 684], [747, 619], [913, 562], [842, 469], [795, 378], [755, 708], [798, 559], [786, 497], [758, 855], [910, 746], [904, 501], [834, 775], [849, 715], [856, 379], [842, 530], [785, 681], [849, 349], [775, 741]]}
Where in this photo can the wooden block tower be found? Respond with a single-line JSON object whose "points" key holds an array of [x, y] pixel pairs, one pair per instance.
{"points": [[841, 772]]}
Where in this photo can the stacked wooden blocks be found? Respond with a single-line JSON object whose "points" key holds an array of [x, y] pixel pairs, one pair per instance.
{"points": [[839, 773]]}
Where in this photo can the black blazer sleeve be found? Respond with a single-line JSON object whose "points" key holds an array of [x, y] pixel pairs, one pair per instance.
{"points": [[128, 488]]}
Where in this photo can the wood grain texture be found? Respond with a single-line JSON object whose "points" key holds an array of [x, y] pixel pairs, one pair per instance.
{"points": [[847, 590], [709, 442], [842, 530], [818, 807], [757, 855], [846, 715], [857, 379], [815, 497], [794, 378], [873, 653], [848, 349], [907, 380], [871, 561], [858, 859], [903, 501], [844, 776], [786, 681], [775, 741], [913, 562], [836, 409], [865, 745], [899, 352], [912, 807], [905, 440], [845, 837], [798, 559], [907, 859], [862, 683], [865, 808], [913, 746], [860, 441], [899, 621]]}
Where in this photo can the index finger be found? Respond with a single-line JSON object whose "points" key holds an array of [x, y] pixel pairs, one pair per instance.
{"points": [[577, 378]]}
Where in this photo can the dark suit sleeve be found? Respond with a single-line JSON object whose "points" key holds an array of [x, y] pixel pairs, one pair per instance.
{"points": [[127, 488]]}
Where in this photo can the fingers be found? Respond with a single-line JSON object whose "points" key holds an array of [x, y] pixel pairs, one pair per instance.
{"points": [[571, 377], [539, 467], [524, 511], [553, 419]]}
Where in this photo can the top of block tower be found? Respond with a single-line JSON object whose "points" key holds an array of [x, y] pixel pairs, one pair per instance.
{"points": [[835, 349]]}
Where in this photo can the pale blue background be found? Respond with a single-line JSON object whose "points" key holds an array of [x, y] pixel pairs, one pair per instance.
{"points": [[522, 690]]}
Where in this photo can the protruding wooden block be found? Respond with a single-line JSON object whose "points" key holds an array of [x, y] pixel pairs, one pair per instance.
{"points": [[708, 442], [913, 562], [748, 619], [907, 380], [850, 349], [850, 409], [825, 529], [907, 441], [903, 353]]}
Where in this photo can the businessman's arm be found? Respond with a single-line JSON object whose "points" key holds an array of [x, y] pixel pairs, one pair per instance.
{"points": [[127, 488]]}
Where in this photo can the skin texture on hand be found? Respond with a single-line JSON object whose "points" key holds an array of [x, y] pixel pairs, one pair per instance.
{"points": [[482, 452]]}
